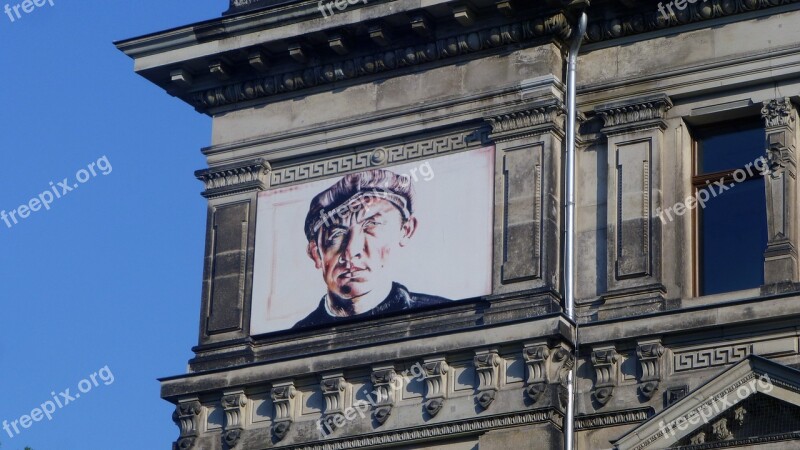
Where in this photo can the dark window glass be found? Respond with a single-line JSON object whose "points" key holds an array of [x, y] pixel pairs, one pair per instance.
{"points": [[729, 147], [732, 227]]}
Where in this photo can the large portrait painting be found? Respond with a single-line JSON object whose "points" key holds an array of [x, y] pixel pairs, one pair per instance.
{"points": [[371, 243]]}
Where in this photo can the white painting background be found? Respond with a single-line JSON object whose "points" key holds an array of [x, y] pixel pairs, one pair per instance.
{"points": [[450, 255]]}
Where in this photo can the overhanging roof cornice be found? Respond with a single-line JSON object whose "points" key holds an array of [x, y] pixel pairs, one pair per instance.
{"points": [[278, 52]]}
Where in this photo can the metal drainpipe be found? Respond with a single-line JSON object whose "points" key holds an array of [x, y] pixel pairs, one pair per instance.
{"points": [[569, 244]]}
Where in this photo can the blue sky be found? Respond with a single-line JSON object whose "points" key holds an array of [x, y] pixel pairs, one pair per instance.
{"points": [[110, 275]]}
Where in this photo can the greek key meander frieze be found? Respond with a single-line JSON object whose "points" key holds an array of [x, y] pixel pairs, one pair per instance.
{"points": [[375, 157], [711, 357]]}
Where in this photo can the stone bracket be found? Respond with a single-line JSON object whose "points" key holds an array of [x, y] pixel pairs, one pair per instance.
{"points": [[384, 382], [487, 365], [536, 359], [283, 395], [187, 417], [436, 370], [234, 404], [649, 354], [604, 360], [335, 390]]}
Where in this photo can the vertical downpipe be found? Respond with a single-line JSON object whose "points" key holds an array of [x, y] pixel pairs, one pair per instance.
{"points": [[569, 244]]}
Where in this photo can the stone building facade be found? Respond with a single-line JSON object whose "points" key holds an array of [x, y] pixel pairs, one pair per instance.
{"points": [[677, 343]]}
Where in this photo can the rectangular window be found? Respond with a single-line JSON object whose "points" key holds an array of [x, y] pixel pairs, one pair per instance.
{"points": [[731, 217]]}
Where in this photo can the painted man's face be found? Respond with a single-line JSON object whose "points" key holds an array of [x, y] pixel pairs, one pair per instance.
{"points": [[355, 250]]}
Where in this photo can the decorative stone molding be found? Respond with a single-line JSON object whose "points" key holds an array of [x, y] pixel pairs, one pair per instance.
{"points": [[384, 384], [234, 404], [487, 365], [536, 360], [436, 371], [234, 178], [283, 395], [778, 112], [335, 390], [721, 431], [187, 417], [632, 113], [428, 432], [711, 357], [376, 157], [648, 18], [780, 258], [674, 394], [649, 354], [604, 360], [529, 118], [604, 420], [556, 26]]}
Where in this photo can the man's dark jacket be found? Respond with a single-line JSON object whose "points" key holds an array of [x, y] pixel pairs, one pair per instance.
{"points": [[399, 299]]}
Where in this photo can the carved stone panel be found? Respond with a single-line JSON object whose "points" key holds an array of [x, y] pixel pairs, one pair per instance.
{"points": [[634, 131], [780, 258], [228, 265], [522, 221]]}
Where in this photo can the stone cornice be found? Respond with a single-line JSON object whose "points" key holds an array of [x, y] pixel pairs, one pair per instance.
{"points": [[628, 113], [555, 26], [618, 21], [234, 178]]}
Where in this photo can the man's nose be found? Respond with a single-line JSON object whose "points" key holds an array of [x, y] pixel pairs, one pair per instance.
{"points": [[355, 245]]}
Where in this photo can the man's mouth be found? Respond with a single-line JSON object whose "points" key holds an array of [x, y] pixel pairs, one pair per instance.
{"points": [[352, 273]]}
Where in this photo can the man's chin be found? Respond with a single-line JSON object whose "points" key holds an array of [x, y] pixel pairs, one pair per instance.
{"points": [[351, 291]]}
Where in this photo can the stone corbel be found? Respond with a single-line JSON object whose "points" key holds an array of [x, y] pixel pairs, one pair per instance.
{"points": [[536, 359], [283, 395], [780, 258], [335, 390], [436, 371], [562, 362], [649, 354], [604, 360], [234, 404], [187, 417], [384, 382], [487, 365]]}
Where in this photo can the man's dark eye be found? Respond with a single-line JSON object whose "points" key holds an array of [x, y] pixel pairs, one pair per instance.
{"points": [[335, 236]]}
